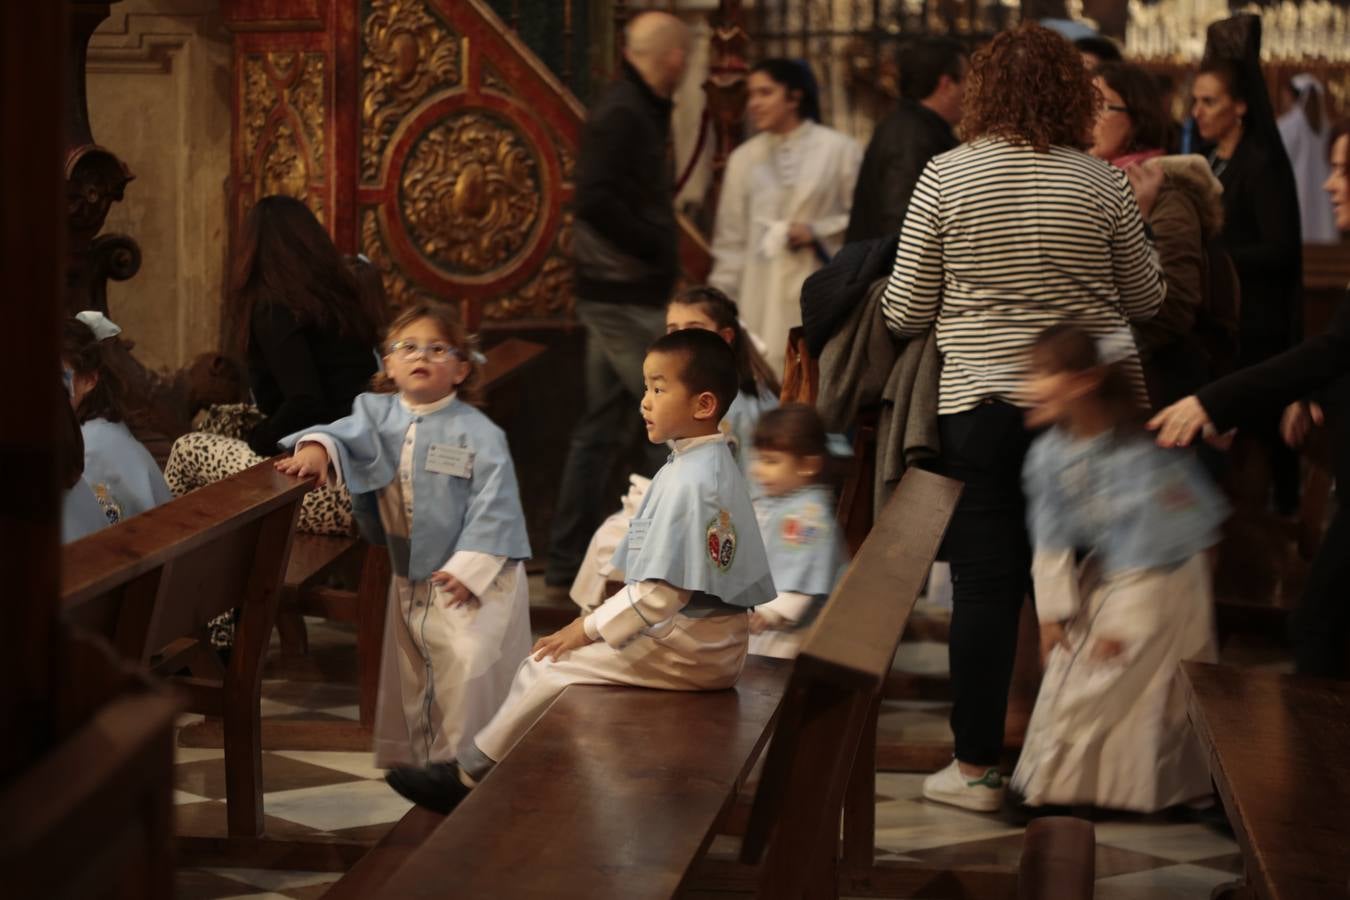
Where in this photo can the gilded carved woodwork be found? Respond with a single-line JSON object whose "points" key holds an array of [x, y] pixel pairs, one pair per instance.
{"points": [[547, 295], [400, 291], [425, 135], [283, 118], [407, 55], [470, 193]]}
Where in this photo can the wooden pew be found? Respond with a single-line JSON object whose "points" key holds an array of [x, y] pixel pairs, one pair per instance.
{"points": [[1278, 753], [95, 812], [150, 585], [618, 792]]}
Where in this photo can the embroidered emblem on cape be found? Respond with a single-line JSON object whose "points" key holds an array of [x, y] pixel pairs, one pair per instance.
{"points": [[802, 529], [721, 540], [111, 510]]}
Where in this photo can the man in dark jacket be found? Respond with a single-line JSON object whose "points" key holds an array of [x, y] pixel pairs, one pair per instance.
{"points": [[625, 249], [932, 71]]}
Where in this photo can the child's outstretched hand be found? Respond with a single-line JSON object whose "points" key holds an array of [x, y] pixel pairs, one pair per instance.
{"points": [[311, 459], [761, 622], [456, 594], [1052, 635], [559, 642]]}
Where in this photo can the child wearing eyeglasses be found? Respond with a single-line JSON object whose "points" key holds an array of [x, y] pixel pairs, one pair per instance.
{"points": [[431, 478]]}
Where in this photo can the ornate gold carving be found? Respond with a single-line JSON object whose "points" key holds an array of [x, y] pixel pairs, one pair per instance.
{"points": [[397, 287], [493, 80], [547, 295], [566, 161], [470, 193], [260, 98], [306, 98], [283, 62], [284, 169], [408, 53]]}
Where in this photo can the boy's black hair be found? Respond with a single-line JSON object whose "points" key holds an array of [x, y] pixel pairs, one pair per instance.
{"points": [[709, 364]]}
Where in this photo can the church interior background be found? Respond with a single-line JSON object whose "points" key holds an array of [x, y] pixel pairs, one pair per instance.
{"points": [[439, 139]]}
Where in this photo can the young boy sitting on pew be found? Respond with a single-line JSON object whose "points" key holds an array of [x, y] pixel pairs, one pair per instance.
{"points": [[695, 564]]}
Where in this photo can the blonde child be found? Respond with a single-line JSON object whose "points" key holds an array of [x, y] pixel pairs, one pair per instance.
{"points": [[708, 309], [796, 518], [431, 478], [1110, 727], [694, 562]]}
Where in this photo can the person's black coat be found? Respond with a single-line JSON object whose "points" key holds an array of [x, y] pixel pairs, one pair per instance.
{"points": [[1317, 368], [1262, 235], [901, 146], [300, 374], [625, 189], [831, 292]]}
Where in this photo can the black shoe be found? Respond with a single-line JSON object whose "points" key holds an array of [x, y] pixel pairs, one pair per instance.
{"points": [[436, 787]]}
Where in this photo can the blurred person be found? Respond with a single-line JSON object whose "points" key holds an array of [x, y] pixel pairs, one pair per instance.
{"points": [[1304, 131]]}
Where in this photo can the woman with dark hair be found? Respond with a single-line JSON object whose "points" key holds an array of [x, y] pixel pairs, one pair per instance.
{"points": [[785, 202], [1262, 232], [309, 331], [1015, 231], [1131, 129], [1311, 384]]}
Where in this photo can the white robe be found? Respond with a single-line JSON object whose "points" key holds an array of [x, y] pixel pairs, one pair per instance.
{"points": [[1115, 734], [1308, 156], [771, 181]]}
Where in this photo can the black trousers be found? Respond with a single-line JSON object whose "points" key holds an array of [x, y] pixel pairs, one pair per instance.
{"points": [[990, 555]]}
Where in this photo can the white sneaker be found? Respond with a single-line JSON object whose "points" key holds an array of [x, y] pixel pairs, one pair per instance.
{"points": [[983, 794]]}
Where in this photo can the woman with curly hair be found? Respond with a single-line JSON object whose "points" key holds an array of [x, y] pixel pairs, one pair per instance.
{"points": [[1012, 232]]}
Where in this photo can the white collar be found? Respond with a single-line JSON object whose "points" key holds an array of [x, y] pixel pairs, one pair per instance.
{"points": [[426, 409], [684, 445], [790, 138]]}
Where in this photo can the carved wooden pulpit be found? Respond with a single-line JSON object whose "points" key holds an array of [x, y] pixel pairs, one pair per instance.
{"points": [[423, 134]]}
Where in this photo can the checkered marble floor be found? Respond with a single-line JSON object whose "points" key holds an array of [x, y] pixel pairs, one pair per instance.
{"points": [[341, 794]]}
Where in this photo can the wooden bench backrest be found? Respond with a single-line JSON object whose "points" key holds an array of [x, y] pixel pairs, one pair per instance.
{"points": [[838, 675], [206, 551]]}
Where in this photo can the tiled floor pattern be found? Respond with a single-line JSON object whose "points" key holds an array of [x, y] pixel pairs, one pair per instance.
{"points": [[341, 794]]}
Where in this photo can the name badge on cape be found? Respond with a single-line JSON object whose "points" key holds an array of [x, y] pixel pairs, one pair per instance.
{"points": [[444, 459], [637, 533]]}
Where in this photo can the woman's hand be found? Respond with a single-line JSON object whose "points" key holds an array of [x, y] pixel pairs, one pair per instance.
{"points": [[1052, 636], [456, 593], [1178, 424], [800, 235], [1298, 420], [560, 642], [1146, 180], [311, 459]]}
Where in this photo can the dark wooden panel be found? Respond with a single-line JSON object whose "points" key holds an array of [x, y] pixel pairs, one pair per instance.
{"points": [[1280, 755], [576, 810], [113, 556]]}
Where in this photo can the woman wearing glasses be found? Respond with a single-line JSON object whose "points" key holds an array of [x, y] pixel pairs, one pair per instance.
{"points": [[1183, 345]]}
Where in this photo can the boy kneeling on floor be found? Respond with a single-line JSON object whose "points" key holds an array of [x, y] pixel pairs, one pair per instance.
{"points": [[695, 564]]}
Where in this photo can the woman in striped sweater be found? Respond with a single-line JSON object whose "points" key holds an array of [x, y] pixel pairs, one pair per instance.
{"points": [[1014, 231]]}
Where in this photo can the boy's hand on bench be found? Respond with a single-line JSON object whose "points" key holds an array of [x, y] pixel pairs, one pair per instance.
{"points": [[559, 642], [455, 593], [310, 459]]}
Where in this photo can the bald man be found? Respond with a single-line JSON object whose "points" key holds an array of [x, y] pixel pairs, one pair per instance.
{"points": [[624, 245]]}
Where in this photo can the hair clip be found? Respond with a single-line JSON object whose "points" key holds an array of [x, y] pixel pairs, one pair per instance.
{"points": [[102, 327]]}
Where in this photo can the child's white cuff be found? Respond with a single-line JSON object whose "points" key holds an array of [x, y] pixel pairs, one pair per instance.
{"points": [[475, 570], [330, 447]]}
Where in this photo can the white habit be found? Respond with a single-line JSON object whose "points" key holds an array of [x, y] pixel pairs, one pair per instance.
{"points": [[805, 176]]}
